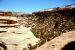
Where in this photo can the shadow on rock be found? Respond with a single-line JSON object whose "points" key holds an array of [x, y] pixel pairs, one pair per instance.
{"points": [[69, 46]]}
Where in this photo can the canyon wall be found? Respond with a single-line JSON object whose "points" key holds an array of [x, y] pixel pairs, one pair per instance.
{"points": [[53, 22], [45, 24]]}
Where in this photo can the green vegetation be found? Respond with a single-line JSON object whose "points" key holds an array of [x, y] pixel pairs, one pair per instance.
{"points": [[52, 26]]}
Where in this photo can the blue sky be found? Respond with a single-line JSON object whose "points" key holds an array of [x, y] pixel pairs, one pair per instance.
{"points": [[31, 5]]}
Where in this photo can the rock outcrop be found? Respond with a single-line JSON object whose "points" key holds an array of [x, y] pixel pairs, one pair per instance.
{"points": [[45, 24], [18, 38], [53, 22], [60, 42], [13, 33]]}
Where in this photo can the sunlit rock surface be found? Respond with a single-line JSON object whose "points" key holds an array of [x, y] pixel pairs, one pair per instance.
{"points": [[13, 33], [21, 37], [45, 25], [8, 21], [53, 22], [59, 42]]}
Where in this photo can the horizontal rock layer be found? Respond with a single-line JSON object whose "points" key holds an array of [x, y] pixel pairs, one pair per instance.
{"points": [[46, 24]]}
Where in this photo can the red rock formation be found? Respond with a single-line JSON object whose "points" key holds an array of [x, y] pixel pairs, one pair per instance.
{"points": [[6, 21], [5, 13], [7, 18]]}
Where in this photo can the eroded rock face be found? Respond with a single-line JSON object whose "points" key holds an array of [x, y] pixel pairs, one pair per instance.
{"points": [[52, 23], [5, 13], [18, 38], [46, 24], [8, 21], [61, 42], [13, 33]]}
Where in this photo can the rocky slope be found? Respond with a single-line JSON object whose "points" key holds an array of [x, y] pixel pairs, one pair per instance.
{"points": [[61, 42], [13, 33], [53, 22], [45, 24]]}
